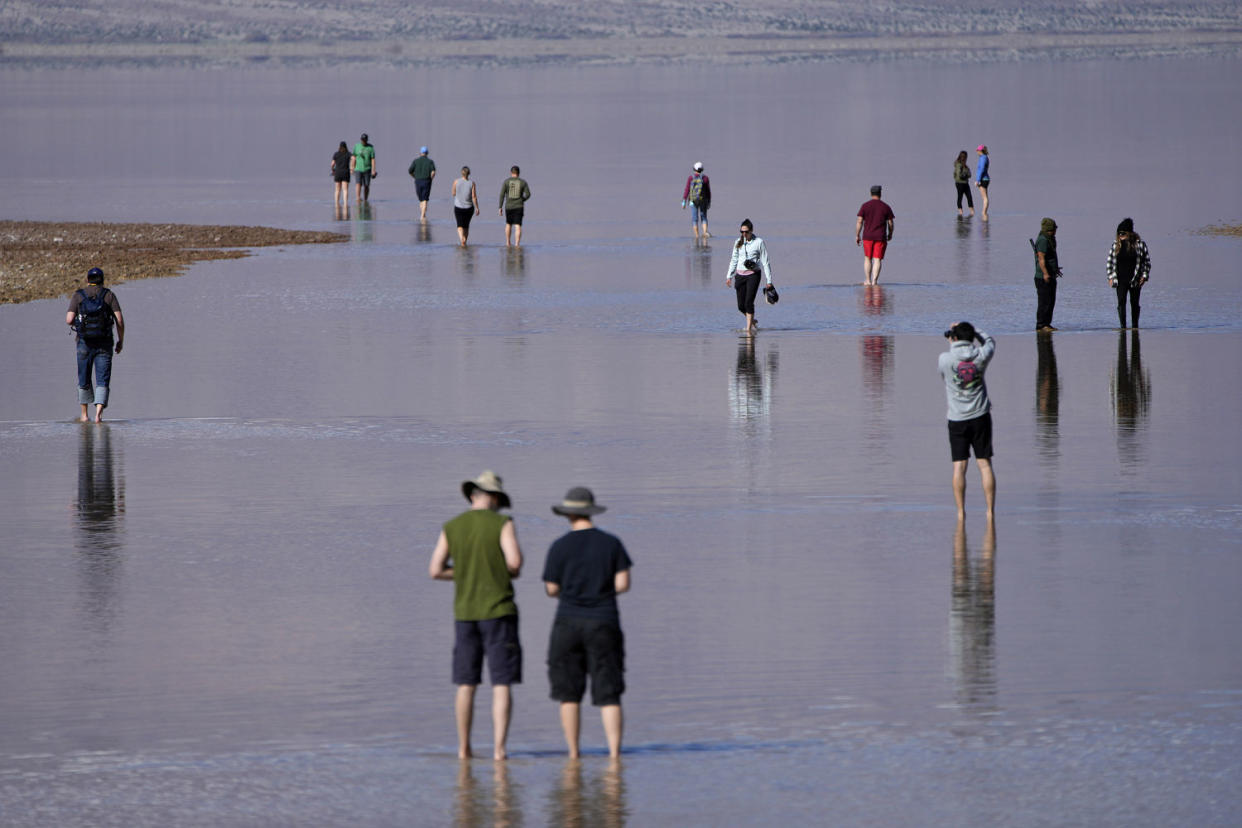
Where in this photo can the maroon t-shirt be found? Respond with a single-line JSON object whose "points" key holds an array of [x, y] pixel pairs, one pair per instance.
{"points": [[875, 215]]}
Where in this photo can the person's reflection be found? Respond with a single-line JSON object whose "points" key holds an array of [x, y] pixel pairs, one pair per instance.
{"points": [[423, 235], [699, 263], [340, 212], [1131, 396], [363, 228], [972, 619], [466, 260], [1047, 400], [874, 301], [877, 356], [513, 261], [601, 801], [472, 806], [750, 388], [100, 517]]}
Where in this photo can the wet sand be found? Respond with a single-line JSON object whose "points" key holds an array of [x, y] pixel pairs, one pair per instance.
{"points": [[43, 260]]}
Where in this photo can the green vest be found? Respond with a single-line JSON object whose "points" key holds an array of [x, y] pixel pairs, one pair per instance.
{"points": [[483, 587]]}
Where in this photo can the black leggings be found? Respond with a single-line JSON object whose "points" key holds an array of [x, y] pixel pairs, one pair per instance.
{"points": [[1124, 287], [964, 190], [747, 288]]}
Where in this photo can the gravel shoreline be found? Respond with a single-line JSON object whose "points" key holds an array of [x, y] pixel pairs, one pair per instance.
{"points": [[43, 260]]}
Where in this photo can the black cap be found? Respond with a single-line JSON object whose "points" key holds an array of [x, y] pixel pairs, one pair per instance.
{"points": [[95, 276]]}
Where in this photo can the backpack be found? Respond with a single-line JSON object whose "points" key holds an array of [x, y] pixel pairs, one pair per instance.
{"points": [[94, 315], [696, 190]]}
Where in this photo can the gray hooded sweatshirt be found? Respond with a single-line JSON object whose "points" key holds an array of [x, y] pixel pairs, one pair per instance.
{"points": [[962, 367]]}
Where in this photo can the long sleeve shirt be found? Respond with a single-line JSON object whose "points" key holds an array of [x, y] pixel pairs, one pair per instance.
{"points": [[1142, 266], [962, 368], [755, 250], [981, 170]]}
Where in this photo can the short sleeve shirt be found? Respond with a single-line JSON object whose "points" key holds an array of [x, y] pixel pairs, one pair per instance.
{"points": [[584, 563], [422, 167], [75, 300], [364, 157], [875, 215]]}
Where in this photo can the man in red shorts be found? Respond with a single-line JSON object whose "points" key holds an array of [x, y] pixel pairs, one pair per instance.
{"points": [[873, 230]]}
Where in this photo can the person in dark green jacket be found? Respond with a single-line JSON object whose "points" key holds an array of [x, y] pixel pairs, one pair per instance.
{"points": [[514, 193], [478, 551]]}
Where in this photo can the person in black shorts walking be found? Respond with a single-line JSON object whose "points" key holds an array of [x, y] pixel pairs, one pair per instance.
{"points": [[970, 410], [586, 570]]}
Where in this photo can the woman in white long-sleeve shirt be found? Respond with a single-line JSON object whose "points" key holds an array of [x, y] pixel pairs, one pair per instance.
{"points": [[748, 266]]}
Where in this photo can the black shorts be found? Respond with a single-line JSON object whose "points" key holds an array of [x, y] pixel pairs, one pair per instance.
{"points": [[422, 186], [976, 434], [495, 637], [463, 215], [581, 647], [514, 216], [983, 185]]}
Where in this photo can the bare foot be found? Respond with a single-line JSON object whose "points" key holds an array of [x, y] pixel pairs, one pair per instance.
{"points": [[465, 753], [84, 419], [500, 755]]}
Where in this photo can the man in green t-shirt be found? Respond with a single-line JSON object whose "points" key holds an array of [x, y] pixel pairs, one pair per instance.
{"points": [[478, 551], [1047, 271], [363, 167], [423, 171]]}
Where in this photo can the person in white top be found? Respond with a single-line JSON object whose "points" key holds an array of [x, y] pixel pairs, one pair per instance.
{"points": [[748, 266]]}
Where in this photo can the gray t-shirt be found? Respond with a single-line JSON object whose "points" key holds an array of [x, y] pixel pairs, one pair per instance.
{"points": [[461, 197]]}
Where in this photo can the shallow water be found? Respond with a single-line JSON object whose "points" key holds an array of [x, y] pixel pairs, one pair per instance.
{"points": [[214, 609]]}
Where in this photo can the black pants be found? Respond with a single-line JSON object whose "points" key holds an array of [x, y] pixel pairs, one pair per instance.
{"points": [[1124, 287], [964, 190], [747, 288], [1047, 293]]}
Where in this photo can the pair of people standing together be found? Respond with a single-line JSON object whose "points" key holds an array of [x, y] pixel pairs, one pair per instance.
{"points": [[983, 178], [585, 570], [1128, 269], [514, 193]]}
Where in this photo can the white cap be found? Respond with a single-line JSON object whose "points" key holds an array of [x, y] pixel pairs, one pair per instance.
{"points": [[698, 166]]}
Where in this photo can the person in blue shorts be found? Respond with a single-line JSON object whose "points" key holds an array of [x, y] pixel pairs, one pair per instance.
{"points": [[585, 571]]}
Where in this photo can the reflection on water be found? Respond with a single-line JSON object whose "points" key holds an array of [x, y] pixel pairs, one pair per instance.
{"points": [[600, 800], [423, 233], [362, 229], [1130, 389], [750, 388], [972, 620], [340, 212], [99, 522], [478, 806], [1047, 402], [513, 264], [699, 262], [466, 261]]}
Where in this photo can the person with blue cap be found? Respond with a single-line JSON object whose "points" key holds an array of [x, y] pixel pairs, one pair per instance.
{"points": [[423, 171]]}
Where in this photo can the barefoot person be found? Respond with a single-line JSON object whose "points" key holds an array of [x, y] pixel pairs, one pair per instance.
{"points": [[340, 174], [423, 171], [698, 195], [961, 180], [983, 177], [970, 410], [585, 571], [465, 205], [363, 165], [478, 551], [873, 230], [92, 312], [514, 193], [748, 266]]}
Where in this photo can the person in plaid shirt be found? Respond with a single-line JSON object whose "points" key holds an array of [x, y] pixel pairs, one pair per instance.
{"points": [[1129, 266]]}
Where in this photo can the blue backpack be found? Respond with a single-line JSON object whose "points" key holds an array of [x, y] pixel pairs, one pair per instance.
{"points": [[94, 315]]}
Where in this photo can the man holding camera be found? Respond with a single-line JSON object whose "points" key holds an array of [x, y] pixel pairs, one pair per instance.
{"points": [[970, 417]]}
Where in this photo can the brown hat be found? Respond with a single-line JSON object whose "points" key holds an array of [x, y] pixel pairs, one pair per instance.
{"points": [[579, 502], [488, 482]]}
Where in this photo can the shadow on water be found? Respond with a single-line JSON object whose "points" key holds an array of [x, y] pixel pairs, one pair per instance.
{"points": [[598, 798], [1130, 390], [99, 522], [972, 621], [363, 230]]}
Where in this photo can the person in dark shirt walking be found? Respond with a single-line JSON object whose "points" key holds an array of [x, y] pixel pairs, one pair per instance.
{"points": [[93, 311]]}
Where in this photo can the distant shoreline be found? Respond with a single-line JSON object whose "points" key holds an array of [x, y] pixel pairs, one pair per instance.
{"points": [[46, 259], [611, 49]]}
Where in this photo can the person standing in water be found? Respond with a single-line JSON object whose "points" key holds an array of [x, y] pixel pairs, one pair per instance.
{"points": [[698, 194], [514, 193], [585, 571], [873, 230], [970, 410], [93, 311], [961, 180], [1129, 266], [1047, 271], [363, 165], [748, 266], [340, 175], [478, 551], [982, 176], [465, 205]]}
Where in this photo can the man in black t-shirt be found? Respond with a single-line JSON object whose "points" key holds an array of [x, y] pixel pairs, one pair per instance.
{"points": [[586, 570]]}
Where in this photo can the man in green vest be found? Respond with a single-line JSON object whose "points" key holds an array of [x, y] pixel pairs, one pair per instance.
{"points": [[478, 551]]}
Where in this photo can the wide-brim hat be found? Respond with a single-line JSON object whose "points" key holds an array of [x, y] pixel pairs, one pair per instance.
{"points": [[488, 482], [579, 502]]}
